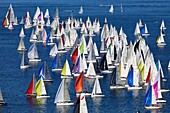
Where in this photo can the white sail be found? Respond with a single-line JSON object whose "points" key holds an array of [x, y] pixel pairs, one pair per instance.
{"points": [[83, 105], [54, 50], [95, 50], [22, 33], [169, 65], [21, 46], [1, 97], [22, 20], [10, 27], [43, 88], [33, 37], [137, 30], [47, 15], [91, 70], [111, 10], [140, 23], [60, 93], [37, 13], [81, 10], [96, 88], [33, 53], [48, 22]]}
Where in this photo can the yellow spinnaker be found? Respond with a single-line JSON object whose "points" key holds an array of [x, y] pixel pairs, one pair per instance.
{"points": [[63, 72], [39, 87]]}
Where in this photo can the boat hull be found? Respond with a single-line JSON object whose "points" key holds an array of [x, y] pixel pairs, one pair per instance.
{"points": [[67, 77], [97, 96], [42, 97], [117, 87], [64, 104], [34, 60], [56, 70], [152, 107], [24, 67]]}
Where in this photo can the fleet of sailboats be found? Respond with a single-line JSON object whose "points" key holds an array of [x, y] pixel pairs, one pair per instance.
{"points": [[130, 63]]}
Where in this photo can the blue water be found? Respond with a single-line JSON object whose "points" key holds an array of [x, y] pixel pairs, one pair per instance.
{"points": [[14, 82]]}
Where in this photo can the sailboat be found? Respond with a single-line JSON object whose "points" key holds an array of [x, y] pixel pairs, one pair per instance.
{"points": [[103, 66], [23, 65], [111, 10], [91, 73], [2, 102], [46, 15], [150, 99], [22, 35], [169, 65], [62, 96], [31, 88], [55, 65], [140, 23], [81, 106], [114, 81], [33, 37], [97, 92], [22, 20], [21, 46], [53, 51], [10, 27], [160, 40], [81, 10], [133, 79], [66, 73], [33, 53], [121, 8], [79, 86], [145, 31], [40, 89], [45, 73]]}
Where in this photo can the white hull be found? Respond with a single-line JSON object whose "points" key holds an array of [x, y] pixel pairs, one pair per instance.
{"points": [[75, 75], [93, 76], [145, 35], [117, 87], [48, 80], [93, 61], [103, 51], [56, 70], [24, 67], [122, 78], [50, 44], [134, 88], [41, 97], [97, 96], [61, 51], [31, 40], [161, 101], [164, 90], [68, 77], [111, 67], [86, 94], [152, 107], [34, 60], [106, 72], [98, 57], [64, 104], [21, 50], [161, 44]]}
